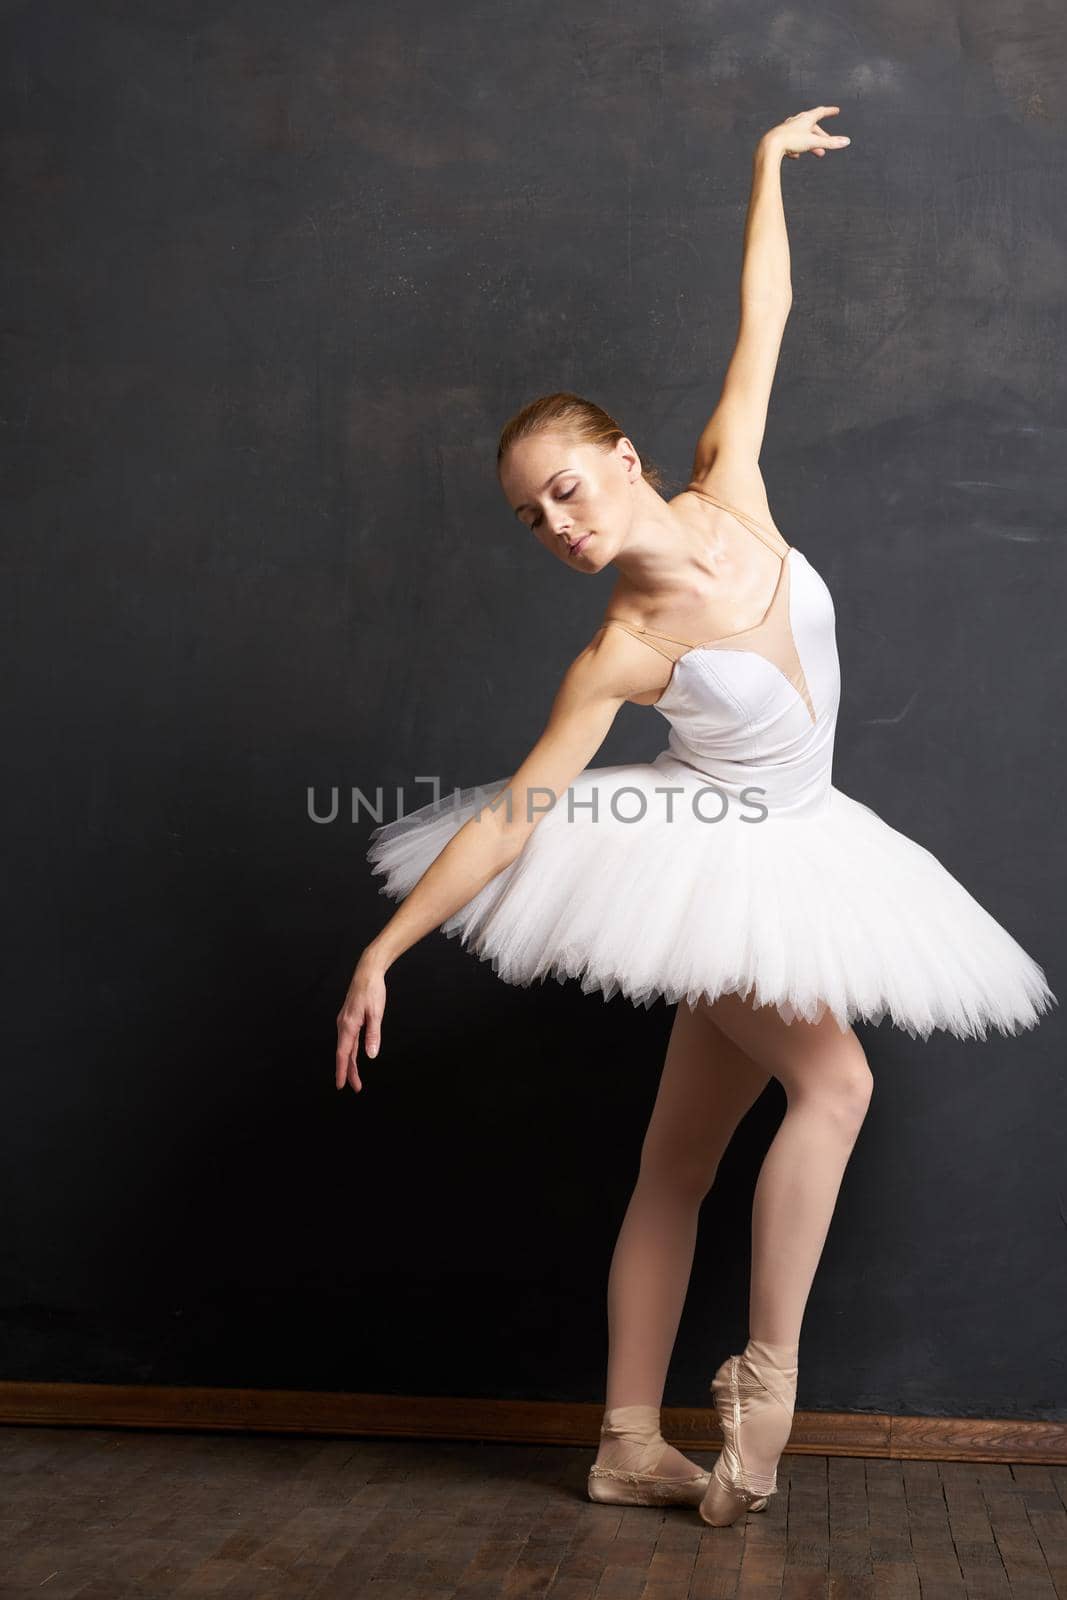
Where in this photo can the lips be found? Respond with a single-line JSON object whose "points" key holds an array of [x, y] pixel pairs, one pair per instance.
{"points": [[576, 549]]}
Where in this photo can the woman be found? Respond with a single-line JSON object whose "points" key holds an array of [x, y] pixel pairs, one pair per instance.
{"points": [[775, 909]]}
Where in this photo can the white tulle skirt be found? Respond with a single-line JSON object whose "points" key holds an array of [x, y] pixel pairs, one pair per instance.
{"points": [[835, 911]]}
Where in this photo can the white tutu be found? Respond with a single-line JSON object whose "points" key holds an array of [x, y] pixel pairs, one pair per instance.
{"points": [[835, 911], [819, 905]]}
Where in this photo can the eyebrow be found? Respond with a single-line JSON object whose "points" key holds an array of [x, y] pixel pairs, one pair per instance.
{"points": [[523, 504]]}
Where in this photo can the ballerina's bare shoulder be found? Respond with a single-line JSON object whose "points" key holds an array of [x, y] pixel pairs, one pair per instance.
{"points": [[744, 573]]}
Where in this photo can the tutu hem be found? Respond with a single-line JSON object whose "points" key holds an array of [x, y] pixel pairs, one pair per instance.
{"points": [[808, 1011]]}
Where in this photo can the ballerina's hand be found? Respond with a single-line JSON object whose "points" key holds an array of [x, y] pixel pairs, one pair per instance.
{"points": [[363, 1009], [802, 132]]}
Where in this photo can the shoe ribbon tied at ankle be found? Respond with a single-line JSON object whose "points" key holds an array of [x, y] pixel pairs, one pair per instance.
{"points": [[640, 1445]]}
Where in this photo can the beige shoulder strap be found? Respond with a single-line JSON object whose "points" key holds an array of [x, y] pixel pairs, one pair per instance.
{"points": [[768, 536], [646, 636]]}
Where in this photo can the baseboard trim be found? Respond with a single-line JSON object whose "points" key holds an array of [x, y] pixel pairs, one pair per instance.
{"points": [[302, 1411]]}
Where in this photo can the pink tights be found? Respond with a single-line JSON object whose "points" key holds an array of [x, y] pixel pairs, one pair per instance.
{"points": [[717, 1065]]}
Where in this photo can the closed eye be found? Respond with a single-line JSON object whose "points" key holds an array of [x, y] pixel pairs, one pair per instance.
{"points": [[566, 496]]}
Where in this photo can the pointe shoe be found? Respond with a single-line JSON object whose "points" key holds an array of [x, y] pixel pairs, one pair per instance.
{"points": [[632, 1481], [757, 1387]]}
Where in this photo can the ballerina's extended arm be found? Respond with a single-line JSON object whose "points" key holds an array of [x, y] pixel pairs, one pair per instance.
{"points": [[733, 436], [582, 713]]}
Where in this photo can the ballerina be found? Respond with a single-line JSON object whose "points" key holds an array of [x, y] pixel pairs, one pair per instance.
{"points": [[744, 887]]}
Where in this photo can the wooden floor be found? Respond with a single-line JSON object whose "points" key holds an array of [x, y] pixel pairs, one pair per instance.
{"points": [[103, 1514]]}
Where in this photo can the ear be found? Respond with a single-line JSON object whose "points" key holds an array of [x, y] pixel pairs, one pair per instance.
{"points": [[626, 450]]}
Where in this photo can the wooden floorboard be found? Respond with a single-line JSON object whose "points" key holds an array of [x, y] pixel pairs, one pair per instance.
{"points": [[94, 1514]]}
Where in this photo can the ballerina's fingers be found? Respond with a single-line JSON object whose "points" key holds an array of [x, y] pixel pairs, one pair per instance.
{"points": [[821, 140], [832, 141]]}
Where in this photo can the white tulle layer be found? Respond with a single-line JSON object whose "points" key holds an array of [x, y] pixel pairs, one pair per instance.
{"points": [[835, 911]]}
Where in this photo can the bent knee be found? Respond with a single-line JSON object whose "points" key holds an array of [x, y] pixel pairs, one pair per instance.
{"points": [[842, 1089], [853, 1096]]}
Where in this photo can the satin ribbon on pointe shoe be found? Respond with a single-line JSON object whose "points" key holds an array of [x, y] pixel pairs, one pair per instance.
{"points": [[754, 1394], [634, 1446]]}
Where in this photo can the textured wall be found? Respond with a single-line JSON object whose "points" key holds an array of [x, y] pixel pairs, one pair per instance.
{"points": [[273, 280]]}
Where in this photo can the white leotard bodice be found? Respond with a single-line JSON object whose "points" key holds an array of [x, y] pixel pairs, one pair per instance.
{"points": [[757, 709]]}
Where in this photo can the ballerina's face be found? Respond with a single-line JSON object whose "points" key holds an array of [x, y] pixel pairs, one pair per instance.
{"points": [[576, 498]]}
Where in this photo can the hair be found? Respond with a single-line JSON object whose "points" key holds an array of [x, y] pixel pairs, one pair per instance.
{"points": [[584, 420]]}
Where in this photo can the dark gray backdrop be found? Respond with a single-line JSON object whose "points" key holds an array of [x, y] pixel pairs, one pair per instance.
{"points": [[273, 281]]}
